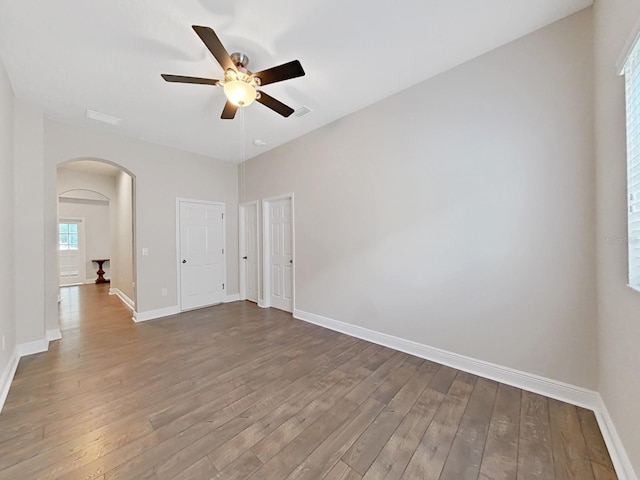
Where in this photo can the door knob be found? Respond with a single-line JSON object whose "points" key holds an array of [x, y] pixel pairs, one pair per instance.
{"points": [[244, 258], [184, 261], [290, 261]]}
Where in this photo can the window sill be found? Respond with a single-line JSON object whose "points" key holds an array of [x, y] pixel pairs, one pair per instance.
{"points": [[634, 288]]}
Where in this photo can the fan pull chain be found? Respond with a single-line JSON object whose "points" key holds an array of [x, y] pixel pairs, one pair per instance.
{"points": [[242, 160]]}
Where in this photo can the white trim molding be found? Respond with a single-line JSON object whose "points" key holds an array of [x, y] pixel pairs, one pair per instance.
{"points": [[31, 348], [7, 377], [153, 314], [166, 312], [548, 387], [632, 39], [22, 350], [54, 334], [126, 300], [232, 298], [516, 378], [19, 351], [618, 453]]}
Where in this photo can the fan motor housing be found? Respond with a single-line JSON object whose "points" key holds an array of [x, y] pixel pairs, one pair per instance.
{"points": [[240, 60]]}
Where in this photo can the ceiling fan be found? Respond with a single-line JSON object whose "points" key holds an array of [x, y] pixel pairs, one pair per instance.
{"points": [[240, 85]]}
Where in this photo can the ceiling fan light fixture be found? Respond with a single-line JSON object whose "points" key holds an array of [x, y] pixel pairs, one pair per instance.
{"points": [[239, 84], [240, 93]]}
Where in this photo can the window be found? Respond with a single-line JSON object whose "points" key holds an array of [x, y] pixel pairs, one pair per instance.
{"points": [[68, 236], [632, 88]]}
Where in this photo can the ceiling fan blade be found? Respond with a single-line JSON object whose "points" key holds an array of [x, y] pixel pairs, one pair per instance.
{"points": [[183, 79], [229, 111], [275, 105], [282, 72], [213, 43]]}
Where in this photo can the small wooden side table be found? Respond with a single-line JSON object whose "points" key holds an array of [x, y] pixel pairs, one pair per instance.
{"points": [[100, 271]]}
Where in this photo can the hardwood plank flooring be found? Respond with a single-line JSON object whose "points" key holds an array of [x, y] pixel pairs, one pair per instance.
{"points": [[237, 392]]}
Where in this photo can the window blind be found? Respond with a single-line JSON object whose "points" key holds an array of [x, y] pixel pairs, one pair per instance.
{"points": [[632, 82]]}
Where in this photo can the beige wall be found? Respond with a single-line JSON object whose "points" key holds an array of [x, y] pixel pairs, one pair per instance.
{"points": [[459, 213], [123, 240], [7, 311], [618, 305], [162, 174], [29, 223]]}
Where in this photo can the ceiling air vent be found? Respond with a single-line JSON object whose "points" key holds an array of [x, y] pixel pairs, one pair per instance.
{"points": [[302, 111], [103, 117]]}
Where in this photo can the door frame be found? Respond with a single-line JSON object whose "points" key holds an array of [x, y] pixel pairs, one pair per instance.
{"points": [[80, 221], [178, 245], [266, 250], [242, 235]]}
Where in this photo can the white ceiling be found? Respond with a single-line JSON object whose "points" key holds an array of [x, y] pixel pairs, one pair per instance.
{"points": [[71, 55]]}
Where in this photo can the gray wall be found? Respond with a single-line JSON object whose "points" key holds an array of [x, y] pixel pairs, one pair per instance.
{"points": [[618, 305], [29, 231], [7, 305], [123, 239], [459, 213]]}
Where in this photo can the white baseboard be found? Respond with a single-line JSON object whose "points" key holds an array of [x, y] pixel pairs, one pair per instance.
{"points": [[618, 453], [9, 372], [527, 381], [153, 314], [261, 304], [7, 377], [165, 312], [31, 348], [54, 334], [22, 350], [126, 300], [232, 298]]}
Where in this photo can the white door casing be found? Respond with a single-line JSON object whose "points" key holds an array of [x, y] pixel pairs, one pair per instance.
{"points": [[249, 256], [71, 251], [201, 253], [279, 251]]}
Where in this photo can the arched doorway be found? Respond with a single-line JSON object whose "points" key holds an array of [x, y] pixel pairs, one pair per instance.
{"points": [[96, 222]]}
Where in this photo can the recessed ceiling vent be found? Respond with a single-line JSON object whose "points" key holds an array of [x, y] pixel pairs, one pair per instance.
{"points": [[302, 111], [103, 117]]}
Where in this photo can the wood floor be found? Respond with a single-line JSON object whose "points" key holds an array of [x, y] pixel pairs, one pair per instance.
{"points": [[238, 392]]}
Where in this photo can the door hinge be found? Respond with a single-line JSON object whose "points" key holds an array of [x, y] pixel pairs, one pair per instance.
{"points": [[223, 215], [223, 286], [223, 251]]}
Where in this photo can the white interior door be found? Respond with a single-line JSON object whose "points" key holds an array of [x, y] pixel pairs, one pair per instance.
{"points": [[71, 261], [281, 254], [249, 252], [202, 262]]}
